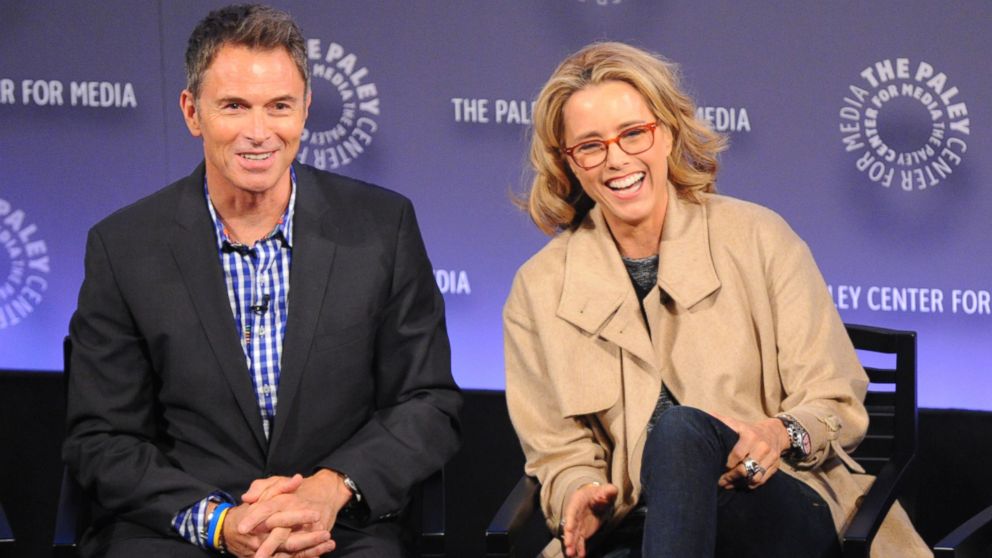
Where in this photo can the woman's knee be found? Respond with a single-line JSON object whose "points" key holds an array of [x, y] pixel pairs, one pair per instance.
{"points": [[681, 423], [682, 429]]}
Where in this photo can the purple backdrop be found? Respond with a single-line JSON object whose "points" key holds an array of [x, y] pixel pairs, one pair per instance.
{"points": [[863, 124]]}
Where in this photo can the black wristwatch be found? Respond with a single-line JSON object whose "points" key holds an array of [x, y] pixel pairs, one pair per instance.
{"points": [[356, 508]]}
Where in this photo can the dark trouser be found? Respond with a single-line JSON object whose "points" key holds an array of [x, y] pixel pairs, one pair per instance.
{"points": [[690, 516]]}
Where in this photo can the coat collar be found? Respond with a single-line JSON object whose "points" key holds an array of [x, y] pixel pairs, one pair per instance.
{"points": [[685, 264], [597, 295]]}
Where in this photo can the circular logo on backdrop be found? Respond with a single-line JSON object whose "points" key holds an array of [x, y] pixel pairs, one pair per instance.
{"points": [[344, 113], [905, 123], [24, 266]]}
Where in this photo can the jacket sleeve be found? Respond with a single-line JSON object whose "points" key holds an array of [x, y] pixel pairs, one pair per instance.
{"points": [[823, 380], [415, 427], [561, 451], [112, 423]]}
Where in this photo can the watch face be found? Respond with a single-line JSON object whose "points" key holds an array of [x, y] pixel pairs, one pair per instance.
{"points": [[800, 438]]}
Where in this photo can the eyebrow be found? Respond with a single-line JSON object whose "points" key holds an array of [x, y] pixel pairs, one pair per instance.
{"points": [[242, 101], [623, 126]]}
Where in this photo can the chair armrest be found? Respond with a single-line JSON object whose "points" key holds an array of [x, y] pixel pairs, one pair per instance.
{"points": [[6, 535], [875, 505], [972, 539], [518, 528], [71, 517], [432, 516]]}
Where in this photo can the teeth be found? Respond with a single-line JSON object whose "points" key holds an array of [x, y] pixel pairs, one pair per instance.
{"points": [[625, 182], [256, 156]]}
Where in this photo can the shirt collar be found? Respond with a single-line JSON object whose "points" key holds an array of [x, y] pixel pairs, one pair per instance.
{"points": [[283, 229]]}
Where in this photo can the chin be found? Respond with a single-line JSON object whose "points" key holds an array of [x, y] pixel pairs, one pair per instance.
{"points": [[253, 184]]}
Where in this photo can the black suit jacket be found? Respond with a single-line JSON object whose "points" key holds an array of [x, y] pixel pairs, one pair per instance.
{"points": [[161, 409]]}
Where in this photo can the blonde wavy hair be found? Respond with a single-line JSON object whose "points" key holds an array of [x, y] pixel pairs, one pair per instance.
{"points": [[556, 200]]}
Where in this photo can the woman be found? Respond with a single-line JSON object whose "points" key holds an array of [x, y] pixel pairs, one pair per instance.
{"points": [[671, 351]]}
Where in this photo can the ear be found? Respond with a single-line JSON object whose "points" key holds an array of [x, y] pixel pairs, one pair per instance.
{"points": [[306, 106], [187, 103], [666, 139]]}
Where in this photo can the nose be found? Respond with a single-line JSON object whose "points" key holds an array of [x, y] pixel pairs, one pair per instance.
{"points": [[257, 129], [615, 157]]}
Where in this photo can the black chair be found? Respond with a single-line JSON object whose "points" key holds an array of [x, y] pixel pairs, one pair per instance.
{"points": [[518, 529], [73, 512], [8, 546], [426, 515], [6, 535], [889, 447], [973, 539], [72, 517]]}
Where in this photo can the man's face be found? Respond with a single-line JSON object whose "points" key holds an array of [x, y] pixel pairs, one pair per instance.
{"points": [[250, 112]]}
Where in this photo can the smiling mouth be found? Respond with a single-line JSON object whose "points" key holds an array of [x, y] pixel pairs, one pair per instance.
{"points": [[256, 156], [626, 182]]}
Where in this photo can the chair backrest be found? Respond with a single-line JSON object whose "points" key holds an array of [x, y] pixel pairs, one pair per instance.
{"points": [[891, 398]]}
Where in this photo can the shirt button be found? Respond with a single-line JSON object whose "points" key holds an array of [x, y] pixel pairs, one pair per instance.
{"points": [[266, 390], [261, 331]]}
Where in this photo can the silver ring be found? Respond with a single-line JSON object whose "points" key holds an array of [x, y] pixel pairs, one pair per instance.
{"points": [[753, 468]]}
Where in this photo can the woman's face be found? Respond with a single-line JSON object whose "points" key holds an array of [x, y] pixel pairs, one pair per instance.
{"points": [[630, 189]]}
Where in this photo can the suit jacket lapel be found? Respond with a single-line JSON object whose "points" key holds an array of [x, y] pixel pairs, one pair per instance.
{"points": [[194, 249], [313, 255]]}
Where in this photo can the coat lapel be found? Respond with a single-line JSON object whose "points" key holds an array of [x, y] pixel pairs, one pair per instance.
{"points": [[313, 255], [597, 295], [686, 276], [194, 249]]}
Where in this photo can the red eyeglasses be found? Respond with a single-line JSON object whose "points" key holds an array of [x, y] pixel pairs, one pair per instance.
{"points": [[633, 140]]}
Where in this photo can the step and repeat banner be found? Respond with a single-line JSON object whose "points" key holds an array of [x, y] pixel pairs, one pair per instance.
{"points": [[865, 124]]}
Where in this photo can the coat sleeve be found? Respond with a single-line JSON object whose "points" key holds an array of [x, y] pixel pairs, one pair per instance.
{"points": [[415, 427], [823, 380], [112, 422], [561, 451]]}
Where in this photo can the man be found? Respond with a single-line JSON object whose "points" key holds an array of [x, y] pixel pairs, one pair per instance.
{"points": [[260, 363]]}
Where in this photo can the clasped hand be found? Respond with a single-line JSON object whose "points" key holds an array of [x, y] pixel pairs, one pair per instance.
{"points": [[286, 517]]}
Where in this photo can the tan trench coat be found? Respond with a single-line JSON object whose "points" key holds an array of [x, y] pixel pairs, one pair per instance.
{"points": [[741, 325]]}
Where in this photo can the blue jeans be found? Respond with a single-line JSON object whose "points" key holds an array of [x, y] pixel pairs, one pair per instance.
{"points": [[689, 516]]}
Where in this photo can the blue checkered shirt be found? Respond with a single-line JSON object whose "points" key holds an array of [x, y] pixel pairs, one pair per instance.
{"points": [[257, 279]]}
